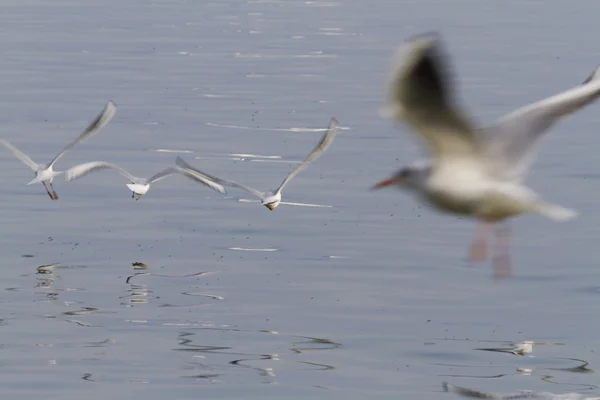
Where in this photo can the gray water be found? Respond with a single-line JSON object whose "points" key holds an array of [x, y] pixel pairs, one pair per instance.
{"points": [[370, 297]]}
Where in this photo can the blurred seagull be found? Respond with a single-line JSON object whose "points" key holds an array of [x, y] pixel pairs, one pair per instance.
{"points": [[140, 186], [44, 172], [464, 392], [474, 172], [272, 198]]}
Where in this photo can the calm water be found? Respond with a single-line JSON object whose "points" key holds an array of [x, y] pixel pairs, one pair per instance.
{"points": [[370, 297]]}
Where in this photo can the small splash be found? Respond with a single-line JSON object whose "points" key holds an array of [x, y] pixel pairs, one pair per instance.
{"points": [[287, 203], [251, 249], [293, 129], [277, 161], [211, 296], [322, 3], [172, 151], [252, 156], [306, 204]]}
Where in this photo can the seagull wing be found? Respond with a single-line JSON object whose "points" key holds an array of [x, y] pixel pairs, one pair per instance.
{"points": [[100, 122], [162, 175], [510, 141], [21, 156], [421, 95], [323, 144], [81, 170], [182, 164], [203, 179]]}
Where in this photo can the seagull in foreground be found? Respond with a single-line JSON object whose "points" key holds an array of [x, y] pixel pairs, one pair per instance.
{"points": [[140, 186], [44, 172], [464, 392], [272, 198], [474, 172]]}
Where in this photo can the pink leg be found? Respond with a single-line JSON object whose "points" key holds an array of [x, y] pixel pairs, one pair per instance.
{"points": [[479, 244], [502, 264], [53, 191], [48, 191]]}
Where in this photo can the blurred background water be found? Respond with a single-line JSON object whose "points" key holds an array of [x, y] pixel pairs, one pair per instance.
{"points": [[188, 294]]}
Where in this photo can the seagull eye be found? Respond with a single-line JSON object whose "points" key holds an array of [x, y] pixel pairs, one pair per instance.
{"points": [[405, 173]]}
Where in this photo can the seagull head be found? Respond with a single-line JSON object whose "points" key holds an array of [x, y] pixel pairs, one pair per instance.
{"points": [[410, 177]]}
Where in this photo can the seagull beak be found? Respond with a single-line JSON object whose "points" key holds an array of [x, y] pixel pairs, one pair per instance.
{"points": [[384, 183]]}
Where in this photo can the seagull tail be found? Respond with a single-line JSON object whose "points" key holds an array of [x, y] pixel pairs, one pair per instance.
{"points": [[593, 76], [555, 212]]}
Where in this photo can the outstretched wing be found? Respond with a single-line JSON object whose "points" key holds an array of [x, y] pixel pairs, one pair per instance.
{"points": [[182, 164], [510, 141], [21, 156], [421, 95], [162, 174], [100, 122], [81, 170], [203, 179], [323, 144]]}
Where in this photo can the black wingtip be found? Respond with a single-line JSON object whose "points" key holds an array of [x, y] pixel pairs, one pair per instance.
{"points": [[593, 76]]}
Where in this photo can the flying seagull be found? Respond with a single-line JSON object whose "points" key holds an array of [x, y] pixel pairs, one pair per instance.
{"points": [[44, 172], [473, 172]]}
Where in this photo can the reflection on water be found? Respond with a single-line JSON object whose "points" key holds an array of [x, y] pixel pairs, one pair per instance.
{"points": [[263, 364], [470, 393]]}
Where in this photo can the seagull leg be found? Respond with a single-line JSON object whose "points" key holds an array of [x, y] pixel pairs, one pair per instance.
{"points": [[479, 244], [132, 195], [53, 191], [48, 191], [139, 196], [501, 263]]}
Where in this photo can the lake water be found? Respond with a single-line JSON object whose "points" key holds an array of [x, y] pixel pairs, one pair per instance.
{"points": [[369, 297]]}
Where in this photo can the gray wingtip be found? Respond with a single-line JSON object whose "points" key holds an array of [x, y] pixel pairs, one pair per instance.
{"points": [[333, 124], [593, 76], [181, 162]]}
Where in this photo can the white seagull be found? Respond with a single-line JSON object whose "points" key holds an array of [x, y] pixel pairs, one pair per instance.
{"points": [[44, 172], [140, 186], [473, 172], [464, 392], [272, 198]]}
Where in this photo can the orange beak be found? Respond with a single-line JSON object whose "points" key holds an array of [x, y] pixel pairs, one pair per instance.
{"points": [[384, 183]]}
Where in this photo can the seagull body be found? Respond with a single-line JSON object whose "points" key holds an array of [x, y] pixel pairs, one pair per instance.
{"points": [[473, 172], [272, 198], [45, 173], [464, 392], [139, 186]]}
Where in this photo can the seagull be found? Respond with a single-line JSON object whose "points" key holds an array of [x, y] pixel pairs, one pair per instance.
{"points": [[464, 392], [139, 186], [272, 198], [472, 172], [45, 173]]}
